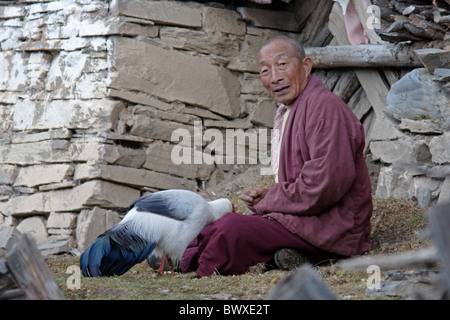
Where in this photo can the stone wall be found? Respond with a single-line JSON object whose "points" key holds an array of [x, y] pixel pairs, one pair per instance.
{"points": [[92, 91], [98, 97], [416, 156]]}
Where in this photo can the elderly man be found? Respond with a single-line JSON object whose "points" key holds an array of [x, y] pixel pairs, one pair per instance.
{"points": [[319, 208]]}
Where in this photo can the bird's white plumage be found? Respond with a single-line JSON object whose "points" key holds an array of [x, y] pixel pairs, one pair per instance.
{"points": [[165, 221], [172, 235]]}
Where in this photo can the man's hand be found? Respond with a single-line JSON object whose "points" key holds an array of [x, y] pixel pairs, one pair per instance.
{"points": [[251, 197]]}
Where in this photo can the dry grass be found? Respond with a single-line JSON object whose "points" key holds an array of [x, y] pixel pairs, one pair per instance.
{"points": [[394, 227], [141, 282]]}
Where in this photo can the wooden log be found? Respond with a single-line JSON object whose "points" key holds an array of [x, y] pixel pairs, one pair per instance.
{"points": [[398, 36], [315, 32], [410, 285], [8, 288], [425, 32], [362, 56], [12, 294], [30, 272], [359, 104], [347, 85], [439, 218], [421, 257], [302, 284], [430, 29]]}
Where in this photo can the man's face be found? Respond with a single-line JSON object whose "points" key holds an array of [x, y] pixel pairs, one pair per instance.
{"points": [[282, 73]]}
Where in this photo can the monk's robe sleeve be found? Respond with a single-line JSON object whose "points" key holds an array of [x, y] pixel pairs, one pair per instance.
{"points": [[327, 170]]}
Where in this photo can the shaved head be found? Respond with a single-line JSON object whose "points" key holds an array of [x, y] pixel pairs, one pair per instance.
{"points": [[294, 44]]}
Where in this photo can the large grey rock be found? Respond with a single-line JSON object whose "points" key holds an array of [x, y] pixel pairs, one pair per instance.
{"points": [[263, 113], [405, 149], [424, 126], [417, 95], [49, 151], [393, 183], [399, 182], [162, 12], [92, 223], [13, 76], [91, 193], [55, 247], [8, 236], [118, 26], [131, 176], [24, 205], [8, 174], [173, 76], [61, 220], [442, 74], [159, 159], [43, 174], [433, 58], [440, 148], [74, 114], [116, 154], [227, 21], [254, 39], [34, 226], [52, 134], [149, 127], [425, 190], [211, 43]]}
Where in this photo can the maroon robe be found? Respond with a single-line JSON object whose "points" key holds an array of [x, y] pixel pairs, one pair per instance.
{"points": [[322, 203], [324, 192]]}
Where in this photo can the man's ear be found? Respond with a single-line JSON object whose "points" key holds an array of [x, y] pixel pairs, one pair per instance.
{"points": [[308, 64]]}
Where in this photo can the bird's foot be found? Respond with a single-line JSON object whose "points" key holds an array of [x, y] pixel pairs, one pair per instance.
{"points": [[161, 264]]}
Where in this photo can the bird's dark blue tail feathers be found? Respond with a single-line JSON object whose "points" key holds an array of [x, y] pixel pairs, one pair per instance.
{"points": [[114, 252]]}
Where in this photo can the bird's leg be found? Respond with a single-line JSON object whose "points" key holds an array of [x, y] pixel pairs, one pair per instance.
{"points": [[161, 264], [171, 266]]}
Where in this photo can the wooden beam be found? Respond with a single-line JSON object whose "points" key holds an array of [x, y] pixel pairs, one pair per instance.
{"points": [[30, 271], [362, 56], [372, 82], [439, 218], [361, 7], [421, 257]]}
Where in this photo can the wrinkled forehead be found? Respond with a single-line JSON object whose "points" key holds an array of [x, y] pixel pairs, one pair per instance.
{"points": [[275, 50]]}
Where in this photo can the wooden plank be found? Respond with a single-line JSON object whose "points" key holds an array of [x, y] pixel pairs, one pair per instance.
{"points": [[362, 56], [346, 86], [439, 218], [372, 82], [359, 104], [12, 294], [30, 272], [278, 20], [302, 284], [8, 288], [422, 257], [315, 33], [361, 7]]}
